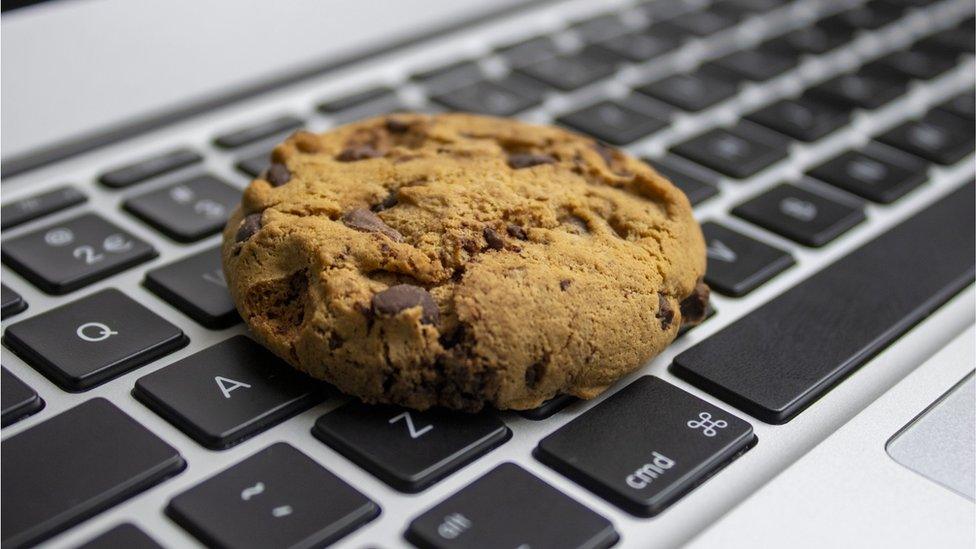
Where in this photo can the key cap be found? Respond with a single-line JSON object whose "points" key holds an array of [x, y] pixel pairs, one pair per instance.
{"points": [[646, 44], [196, 286], [92, 340], [740, 151], [255, 165], [870, 16], [447, 77], [691, 91], [950, 42], [278, 497], [30, 208], [804, 118], [600, 27], [814, 39], [876, 172], [868, 88], [504, 97], [74, 466], [571, 71], [528, 51], [662, 10], [189, 210], [646, 445], [916, 64], [147, 168], [939, 136], [258, 132], [71, 254], [18, 400], [510, 507], [227, 393], [758, 64], [406, 449], [962, 105], [124, 535], [12, 303], [705, 22], [358, 99], [800, 215], [548, 408], [613, 122], [773, 362], [738, 264], [696, 186]]}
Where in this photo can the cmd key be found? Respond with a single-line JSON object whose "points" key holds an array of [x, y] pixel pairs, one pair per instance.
{"points": [[196, 286], [74, 466], [780, 358], [510, 507]]}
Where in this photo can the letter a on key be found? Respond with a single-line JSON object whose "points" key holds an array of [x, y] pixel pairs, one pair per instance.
{"points": [[227, 385]]}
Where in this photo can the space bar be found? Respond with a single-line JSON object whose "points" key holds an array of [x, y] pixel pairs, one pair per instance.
{"points": [[781, 357]]}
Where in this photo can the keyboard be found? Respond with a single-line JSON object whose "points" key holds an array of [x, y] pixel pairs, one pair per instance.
{"points": [[827, 148]]}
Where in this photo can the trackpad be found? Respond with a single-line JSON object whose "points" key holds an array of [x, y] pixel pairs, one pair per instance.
{"points": [[940, 444]]}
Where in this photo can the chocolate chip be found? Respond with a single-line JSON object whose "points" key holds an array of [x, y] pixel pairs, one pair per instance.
{"points": [[250, 225], [278, 174], [387, 203], [694, 306], [494, 241], [564, 284], [515, 231], [534, 373], [664, 311], [358, 152], [401, 297], [527, 160], [335, 341], [364, 220], [394, 125]]}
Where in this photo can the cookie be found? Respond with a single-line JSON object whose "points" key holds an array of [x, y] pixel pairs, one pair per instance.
{"points": [[463, 261]]}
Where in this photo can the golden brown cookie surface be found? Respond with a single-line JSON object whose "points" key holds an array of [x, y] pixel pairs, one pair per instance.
{"points": [[462, 261]]}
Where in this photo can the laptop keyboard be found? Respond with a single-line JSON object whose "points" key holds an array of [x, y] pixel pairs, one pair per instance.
{"points": [[777, 118]]}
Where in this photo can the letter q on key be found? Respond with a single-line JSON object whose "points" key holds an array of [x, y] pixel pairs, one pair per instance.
{"points": [[94, 332]]}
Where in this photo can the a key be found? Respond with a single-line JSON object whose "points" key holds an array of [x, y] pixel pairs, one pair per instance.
{"points": [[780, 358], [89, 341], [125, 535], [876, 172], [696, 186], [646, 445], [17, 399], [189, 210], [258, 132], [705, 22], [691, 91], [804, 118], [30, 208], [646, 44], [504, 97], [70, 254], [571, 71], [810, 40], [757, 65], [962, 105], [196, 286], [74, 466], [739, 152], [11, 302], [800, 215], [548, 408], [613, 121], [738, 264], [600, 28], [278, 497], [227, 393], [939, 136], [147, 168], [868, 88], [409, 450], [379, 94], [455, 75], [510, 507], [916, 64], [528, 51], [255, 165]]}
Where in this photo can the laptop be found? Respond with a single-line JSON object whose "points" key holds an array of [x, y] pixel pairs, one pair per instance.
{"points": [[827, 147]]}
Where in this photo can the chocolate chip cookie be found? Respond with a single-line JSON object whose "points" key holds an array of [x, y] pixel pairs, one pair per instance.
{"points": [[463, 261]]}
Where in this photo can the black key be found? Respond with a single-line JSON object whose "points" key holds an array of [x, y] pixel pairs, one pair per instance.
{"points": [[613, 122], [916, 64], [643, 45], [868, 88], [510, 507], [811, 40], [939, 136], [870, 16], [962, 105], [30, 208], [257, 132], [739, 152], [646, 446], [227, 393], [696, 186], [189, 210], [255, 165], [876, 172], [758, 64], [448, 77], [68, 255], [798, 214], [778, 359], [950, 42], [74, 466], [691, 91], [568, 72], [377, 94], [548, 408], [90, 341], [196, 286], [125, 535], [738, 264], [18, 400], [409, 450], [804, 118], [528, 51], [600, 28], [278, 497], [12, 303], [705, 22], [504, 97], [661, 10], [147, 168]]}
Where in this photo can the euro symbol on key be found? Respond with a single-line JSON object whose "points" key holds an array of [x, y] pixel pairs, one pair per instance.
{"points": [[95, 332]]}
